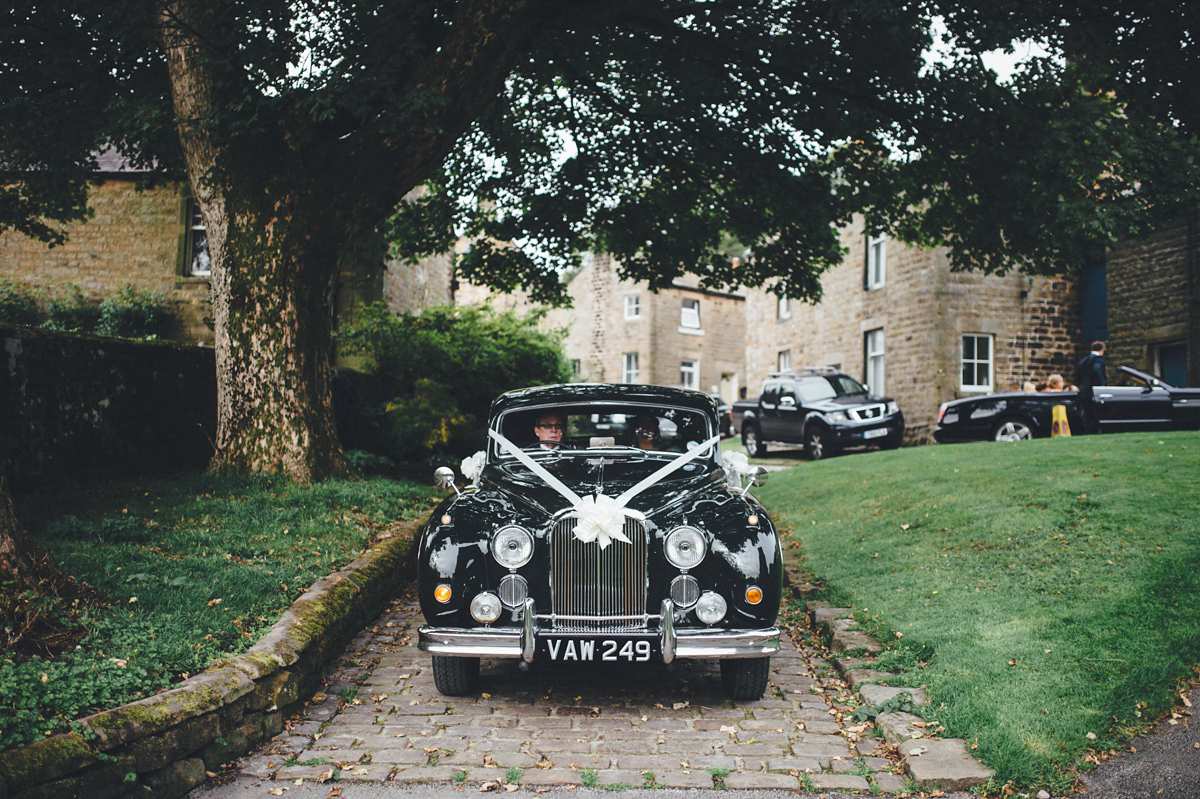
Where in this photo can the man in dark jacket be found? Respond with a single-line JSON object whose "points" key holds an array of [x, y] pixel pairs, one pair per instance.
{"points": [[1089, 373]]}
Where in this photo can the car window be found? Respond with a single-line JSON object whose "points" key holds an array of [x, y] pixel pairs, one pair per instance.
{"points": [[663, 429], [815, 389], [847, 385]]}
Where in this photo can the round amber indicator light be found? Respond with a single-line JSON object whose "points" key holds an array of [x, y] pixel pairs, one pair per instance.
{"points": [[753, 520], [446, 519], [442, 593], [754, 595]]}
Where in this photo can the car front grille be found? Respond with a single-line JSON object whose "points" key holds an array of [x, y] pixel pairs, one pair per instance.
{"points": [[867, 413], [594, 589]]}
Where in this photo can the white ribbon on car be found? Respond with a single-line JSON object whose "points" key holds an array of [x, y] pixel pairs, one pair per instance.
{"points": [[601, 518]]}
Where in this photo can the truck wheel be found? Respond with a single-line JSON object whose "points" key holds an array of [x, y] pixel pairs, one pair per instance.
{"points": [[455, 676], [818, 443], [745, 679], [751, 440]]}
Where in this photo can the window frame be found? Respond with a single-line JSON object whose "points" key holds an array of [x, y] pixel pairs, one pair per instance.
{"points": [[689, 366], [876, 277], [990, 361], [193, 229], [689, 314], [783, 360], [629, 367], [875, 361], [633, 306]]}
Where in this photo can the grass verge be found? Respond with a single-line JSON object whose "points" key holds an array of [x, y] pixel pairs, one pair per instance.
{"points": [[193, 569], [1043, 593]]}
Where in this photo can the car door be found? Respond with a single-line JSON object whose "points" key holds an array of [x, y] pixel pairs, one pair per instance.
{"points": [[768, 409], [1121, 408], [790, 413]]}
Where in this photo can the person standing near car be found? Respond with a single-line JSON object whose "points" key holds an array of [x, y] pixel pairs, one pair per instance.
{"points": [[1090, 373]]}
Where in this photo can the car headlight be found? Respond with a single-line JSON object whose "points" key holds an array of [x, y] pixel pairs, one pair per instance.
{"points": [[837, 416], [485, 607], [893, 407], [711, 607], [685, 547], [512, 546]]}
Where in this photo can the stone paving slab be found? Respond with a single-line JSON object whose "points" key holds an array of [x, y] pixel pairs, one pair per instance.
{"points": [[380, 719]]}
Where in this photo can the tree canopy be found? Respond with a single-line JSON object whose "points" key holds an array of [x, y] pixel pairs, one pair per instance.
{"points": [[645, 129]]}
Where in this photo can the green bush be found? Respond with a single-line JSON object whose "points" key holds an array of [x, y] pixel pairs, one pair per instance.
{"points": [[17, 306], [131, 313], [435, 375], [66, 309]]}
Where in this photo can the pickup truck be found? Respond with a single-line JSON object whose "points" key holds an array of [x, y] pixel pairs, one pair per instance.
{"points": [[819, 408]]}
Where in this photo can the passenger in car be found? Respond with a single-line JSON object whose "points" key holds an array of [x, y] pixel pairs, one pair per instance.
{"points": [[645, 432], [1055, 383]]}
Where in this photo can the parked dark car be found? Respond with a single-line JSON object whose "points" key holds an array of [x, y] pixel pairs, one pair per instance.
{"points": [[598, 550], [1147, 403], [724, 417], [820, 408]]}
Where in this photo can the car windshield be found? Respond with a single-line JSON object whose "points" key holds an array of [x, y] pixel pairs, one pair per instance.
{"points": [[815, 389], [566, 429]]}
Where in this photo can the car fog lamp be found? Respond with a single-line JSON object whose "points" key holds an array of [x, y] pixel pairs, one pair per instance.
{"points": [[485, 607], [512, 546], [711, 607], [685, 591], [685, 547], [513, 590], [442, 593], [754, 594]]}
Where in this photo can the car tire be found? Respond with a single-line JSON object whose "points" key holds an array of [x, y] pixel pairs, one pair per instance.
{"points": [[1012, 428], [818, 444], [752, 441], [455, 676], [745, 679]]}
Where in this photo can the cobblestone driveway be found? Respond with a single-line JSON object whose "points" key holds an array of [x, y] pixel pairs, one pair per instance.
{"points": [[381, 719]]}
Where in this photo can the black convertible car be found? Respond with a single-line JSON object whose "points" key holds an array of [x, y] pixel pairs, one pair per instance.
{"points": [[612, 546], [1147, 404]]}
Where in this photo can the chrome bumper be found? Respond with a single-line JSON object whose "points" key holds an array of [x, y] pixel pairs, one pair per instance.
{"points": [[521, 642]]}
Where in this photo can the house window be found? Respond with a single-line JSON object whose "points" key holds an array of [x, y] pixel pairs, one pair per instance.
{"points": [[876, 262], [783, 361], [689, 314], [873, 345], [783, 310], [689, 374], [633, 306], [1170, 362], [195, 250], [977, 362], [576, 367], [629, 368]]}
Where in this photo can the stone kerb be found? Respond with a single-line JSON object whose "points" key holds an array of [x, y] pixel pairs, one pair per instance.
{"points": [[161, 746], [933, 764]]}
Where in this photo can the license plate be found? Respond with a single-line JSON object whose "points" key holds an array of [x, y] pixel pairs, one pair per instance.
{"points": [[878, 432], [630, 650]]}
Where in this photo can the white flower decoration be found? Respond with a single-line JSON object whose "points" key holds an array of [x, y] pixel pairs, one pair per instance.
{"points": [[601, 519], [737, 470], [472, 467]]}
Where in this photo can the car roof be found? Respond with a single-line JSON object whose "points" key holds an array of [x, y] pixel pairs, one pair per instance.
{"points": [[570, 393], [808, 371]]}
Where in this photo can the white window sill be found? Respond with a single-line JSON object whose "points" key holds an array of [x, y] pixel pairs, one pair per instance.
{"points": [[691, 331]]}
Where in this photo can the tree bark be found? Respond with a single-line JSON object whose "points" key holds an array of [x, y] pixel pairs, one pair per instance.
{"points": [[281, 205]]}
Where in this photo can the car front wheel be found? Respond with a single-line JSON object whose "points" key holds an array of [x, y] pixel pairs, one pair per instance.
{"points": [[817, 443], [1013, 430], [745, 679], [455, 676], [751, 440]]}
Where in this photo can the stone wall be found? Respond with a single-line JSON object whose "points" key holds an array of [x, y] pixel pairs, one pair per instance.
{"points": [[83, 403], [1154, 299], [162, 746], [923, 309], [136, 237]]}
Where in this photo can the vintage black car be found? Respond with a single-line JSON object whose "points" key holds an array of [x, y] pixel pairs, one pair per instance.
{"points": [[598, 550], [1147, 403]]}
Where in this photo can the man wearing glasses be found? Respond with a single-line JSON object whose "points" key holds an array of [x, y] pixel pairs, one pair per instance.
{"points": [[549, 428]]}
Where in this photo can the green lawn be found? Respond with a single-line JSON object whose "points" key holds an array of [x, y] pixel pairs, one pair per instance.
{"points": [[1040, 592], [192, 569]]}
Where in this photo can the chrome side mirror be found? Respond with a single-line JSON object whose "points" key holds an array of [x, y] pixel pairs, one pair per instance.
{"points": [[760, 477], [443, 476]]}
